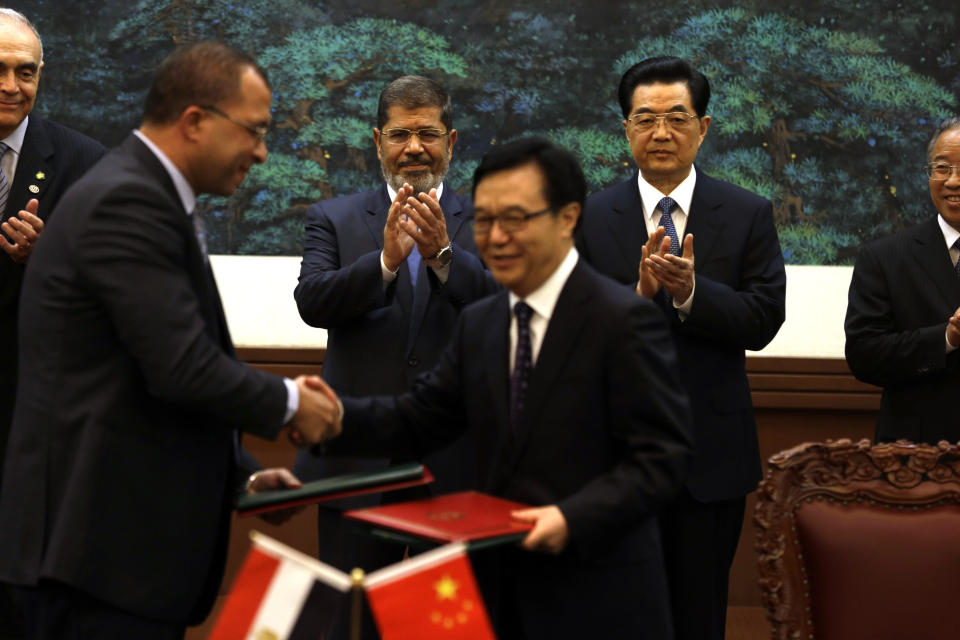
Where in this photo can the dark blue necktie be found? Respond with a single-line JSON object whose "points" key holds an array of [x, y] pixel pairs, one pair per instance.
{"points": [[666, 205], [413, 262], [522, 362]]}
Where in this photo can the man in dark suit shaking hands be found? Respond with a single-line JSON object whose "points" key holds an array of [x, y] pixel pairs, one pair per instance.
{"points": [[903, 316], [39, 159], [707, 252], [123, 457], [567, 383]]}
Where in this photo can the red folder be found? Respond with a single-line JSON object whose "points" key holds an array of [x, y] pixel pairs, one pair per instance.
{"points": [[456, 517]]}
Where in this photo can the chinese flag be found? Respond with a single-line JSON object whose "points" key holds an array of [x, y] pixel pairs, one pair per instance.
{"points": [[433, 595]]}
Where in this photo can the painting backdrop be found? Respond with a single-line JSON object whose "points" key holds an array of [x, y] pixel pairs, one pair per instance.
{"points": [[824, 108]]}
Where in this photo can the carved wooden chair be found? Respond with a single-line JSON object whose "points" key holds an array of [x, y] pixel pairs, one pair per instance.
{"points": [[856, 540]]}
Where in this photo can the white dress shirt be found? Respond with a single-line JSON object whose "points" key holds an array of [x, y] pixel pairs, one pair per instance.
{"points": [[542, 301]]}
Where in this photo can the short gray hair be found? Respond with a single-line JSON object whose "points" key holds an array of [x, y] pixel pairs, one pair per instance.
{"points": [[946, 125]]}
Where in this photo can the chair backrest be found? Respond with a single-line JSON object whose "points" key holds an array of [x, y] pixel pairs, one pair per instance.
{"points": [[856, 540]]}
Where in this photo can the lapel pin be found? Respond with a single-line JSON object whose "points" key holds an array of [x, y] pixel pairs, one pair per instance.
{"points": [[34, 188], [41, 175]]}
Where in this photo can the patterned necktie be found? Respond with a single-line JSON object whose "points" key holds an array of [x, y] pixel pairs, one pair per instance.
{"points": [[522, 363], [666, 206], [413, 262], [4, 183], [956, 267]]}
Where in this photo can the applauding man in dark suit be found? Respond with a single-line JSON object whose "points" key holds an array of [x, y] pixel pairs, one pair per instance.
{"points": [[386, 273], [122, 465], [39, 159], [567, 383], [707, 252], [903, 316]]}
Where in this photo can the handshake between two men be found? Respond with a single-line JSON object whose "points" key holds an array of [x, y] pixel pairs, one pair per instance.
{"points": [[319, 415]]}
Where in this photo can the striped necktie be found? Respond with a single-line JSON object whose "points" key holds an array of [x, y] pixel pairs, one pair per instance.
{"points": [[4, 182]]}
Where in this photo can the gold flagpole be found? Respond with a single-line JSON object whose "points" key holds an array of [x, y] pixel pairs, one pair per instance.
{"points": [[356, 606]]}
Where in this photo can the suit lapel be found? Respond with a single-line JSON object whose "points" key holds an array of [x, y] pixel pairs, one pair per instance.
{"points": [[705, 219], [198, 270], [627, 226], [35, 169], [558, 345], [934, 259], [378, 206], [496, 358], [452, 210]]}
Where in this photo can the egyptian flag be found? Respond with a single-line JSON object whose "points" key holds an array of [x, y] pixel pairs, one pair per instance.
{"points": [[281, 594], [433, 595]]}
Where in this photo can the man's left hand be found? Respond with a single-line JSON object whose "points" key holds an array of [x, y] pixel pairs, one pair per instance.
{"points": [[271, 480], [675, 273], [425, 224], [23, 230], [549, 533]]}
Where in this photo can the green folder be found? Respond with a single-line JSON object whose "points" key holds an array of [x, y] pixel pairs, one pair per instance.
{"points": [[350, 484]]}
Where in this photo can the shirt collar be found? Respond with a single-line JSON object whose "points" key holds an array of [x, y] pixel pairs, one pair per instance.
{"points": [[544, 298], [683, 193], [184, 190], [393, 192], [950, 234], [15, 139]]}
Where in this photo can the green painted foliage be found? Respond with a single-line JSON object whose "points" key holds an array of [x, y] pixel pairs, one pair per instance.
{"points": [[826, 111]]}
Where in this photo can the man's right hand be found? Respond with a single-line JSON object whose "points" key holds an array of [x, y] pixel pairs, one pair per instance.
{"points": [[658, 244], [953, 329], [397, 244], [318, 415]]}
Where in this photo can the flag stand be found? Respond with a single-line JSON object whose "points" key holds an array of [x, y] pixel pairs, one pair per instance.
{"points": [[356, 606]]}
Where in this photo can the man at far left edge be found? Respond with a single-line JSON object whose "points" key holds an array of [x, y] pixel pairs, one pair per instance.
{"points": [[39, 160]]}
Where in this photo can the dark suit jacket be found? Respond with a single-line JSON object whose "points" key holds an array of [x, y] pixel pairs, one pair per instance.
{"points": [[738, 304], [603, 435], [60, 155], [379, 341], [904, 289], [120, 474]]}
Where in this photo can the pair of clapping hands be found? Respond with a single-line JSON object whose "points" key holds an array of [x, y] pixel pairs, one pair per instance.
{"points": [[413, 221]]}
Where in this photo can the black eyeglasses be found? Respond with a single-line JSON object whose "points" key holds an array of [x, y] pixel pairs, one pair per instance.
{"points": [[259, 132], [509, 221]]}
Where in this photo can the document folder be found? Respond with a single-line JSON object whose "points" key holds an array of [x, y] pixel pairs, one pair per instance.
{"points": [[456, 517], [344, 486]]}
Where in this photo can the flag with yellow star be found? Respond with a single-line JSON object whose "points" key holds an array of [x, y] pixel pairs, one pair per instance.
{"points": [[433, 595]]}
